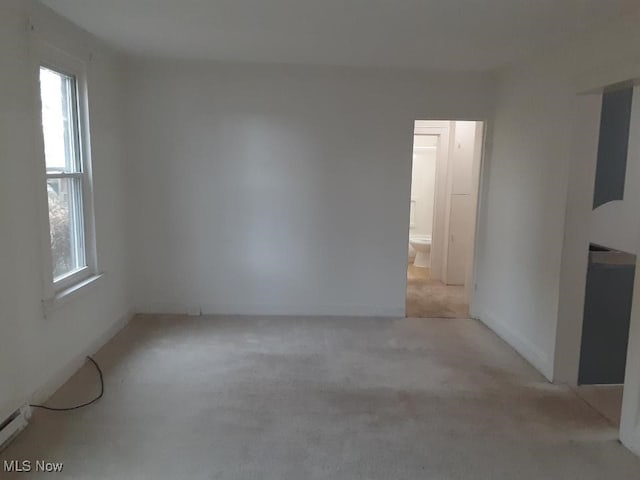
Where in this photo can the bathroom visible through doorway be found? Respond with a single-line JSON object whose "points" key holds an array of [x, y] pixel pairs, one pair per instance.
{"points": [[442, 217]]}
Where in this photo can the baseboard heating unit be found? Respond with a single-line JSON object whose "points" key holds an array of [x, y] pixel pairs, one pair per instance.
{"points": [[13, 425]]}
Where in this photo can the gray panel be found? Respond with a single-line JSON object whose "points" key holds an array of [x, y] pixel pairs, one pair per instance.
{"points": [[607, 314], [613, 145]]}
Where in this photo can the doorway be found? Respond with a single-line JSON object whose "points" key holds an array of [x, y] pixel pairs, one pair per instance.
{"points": [[442, 217]]}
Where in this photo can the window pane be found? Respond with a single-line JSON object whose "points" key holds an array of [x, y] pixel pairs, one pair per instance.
{"points": [[59, 125], [65, 221]]}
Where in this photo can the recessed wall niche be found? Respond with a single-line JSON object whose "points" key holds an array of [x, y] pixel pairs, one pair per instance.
{"points": [[613, 145]]}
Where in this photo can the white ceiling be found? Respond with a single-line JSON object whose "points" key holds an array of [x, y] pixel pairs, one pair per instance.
{"points": [[434, 34]]}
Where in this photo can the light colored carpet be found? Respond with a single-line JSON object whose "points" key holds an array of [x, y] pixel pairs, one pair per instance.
{"points": [[320, 398], [428, 298], [607, 399]]}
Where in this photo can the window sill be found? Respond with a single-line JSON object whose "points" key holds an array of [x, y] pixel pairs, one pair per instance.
{"points": [[65, 296]]}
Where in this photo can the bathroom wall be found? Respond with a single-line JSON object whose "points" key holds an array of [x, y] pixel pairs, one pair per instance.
{"points": [[423, 177]]}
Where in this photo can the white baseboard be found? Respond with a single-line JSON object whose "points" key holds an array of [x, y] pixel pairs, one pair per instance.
{"points": [[631, 440], [535, 356], [66, 372], [273, 310]]}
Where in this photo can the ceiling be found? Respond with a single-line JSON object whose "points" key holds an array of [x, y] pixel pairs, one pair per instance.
{"points": [[429, 34]]}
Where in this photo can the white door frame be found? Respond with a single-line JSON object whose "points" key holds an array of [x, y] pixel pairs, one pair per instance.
{"points": [[478, 182], [438, 249], [441, 128]]}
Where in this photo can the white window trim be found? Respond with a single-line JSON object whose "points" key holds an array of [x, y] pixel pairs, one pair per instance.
{"points": [[64, 288]]}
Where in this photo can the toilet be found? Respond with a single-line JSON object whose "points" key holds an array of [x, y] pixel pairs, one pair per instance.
{"points": [[422, 245]]}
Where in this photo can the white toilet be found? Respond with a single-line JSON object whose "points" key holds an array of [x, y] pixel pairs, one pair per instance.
{"points": [[422, 245]]}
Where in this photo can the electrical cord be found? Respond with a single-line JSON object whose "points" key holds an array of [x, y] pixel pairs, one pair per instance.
{"points": [[53, 409]]}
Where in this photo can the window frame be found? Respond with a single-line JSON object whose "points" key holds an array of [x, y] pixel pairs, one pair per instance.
{"points": [[61, 62]]}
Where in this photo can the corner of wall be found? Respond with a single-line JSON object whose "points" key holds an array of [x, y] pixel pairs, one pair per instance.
{"points": [[63, 374], [530, 352]]}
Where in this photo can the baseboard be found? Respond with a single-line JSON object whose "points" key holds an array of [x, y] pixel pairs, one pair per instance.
{"points": [[524, 347], [273, 310], [66, 372], [631, 440]]}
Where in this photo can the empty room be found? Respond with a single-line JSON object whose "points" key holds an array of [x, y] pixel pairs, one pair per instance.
{"points": [[319, 239]]}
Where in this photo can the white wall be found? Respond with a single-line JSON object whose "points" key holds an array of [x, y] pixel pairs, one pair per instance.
{"points": [[532, 236], [615, 224], [522, 219], [278, 189], [36, 352], [573, 270]]}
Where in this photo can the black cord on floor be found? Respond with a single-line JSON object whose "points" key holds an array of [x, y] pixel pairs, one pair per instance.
{"points": [[84, 404]]}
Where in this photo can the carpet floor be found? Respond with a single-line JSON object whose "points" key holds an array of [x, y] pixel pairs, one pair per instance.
{"points": [[429, 298], [607, 399], [277, 398]]}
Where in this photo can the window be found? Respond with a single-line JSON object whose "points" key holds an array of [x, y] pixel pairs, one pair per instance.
{"points": [[67, 177]]}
